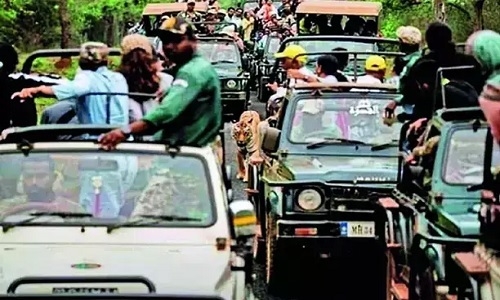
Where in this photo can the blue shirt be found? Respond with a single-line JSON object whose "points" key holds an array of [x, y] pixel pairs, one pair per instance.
{"points": [[94, 109]]}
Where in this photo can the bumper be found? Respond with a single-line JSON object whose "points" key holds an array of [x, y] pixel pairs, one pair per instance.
{"points": [[337, 263], [233, 104]]}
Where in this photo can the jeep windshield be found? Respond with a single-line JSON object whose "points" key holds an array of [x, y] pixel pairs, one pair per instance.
{"points": [[100, 188], [335, 120], [464, 157], [273, 46], [220, 53]]}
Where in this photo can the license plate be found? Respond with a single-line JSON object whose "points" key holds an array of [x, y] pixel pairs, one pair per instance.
{"points": [[357, 229], [84, 290]]}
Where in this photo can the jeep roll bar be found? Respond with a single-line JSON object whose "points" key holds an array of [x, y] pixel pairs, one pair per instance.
{"points": [[11, 289], [355, 54], [339, 86], [28, 63], [106, 297], [439, 87]]}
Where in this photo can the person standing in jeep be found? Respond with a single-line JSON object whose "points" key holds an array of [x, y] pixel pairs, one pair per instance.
{"points": [[191, 112], [17, 113]]}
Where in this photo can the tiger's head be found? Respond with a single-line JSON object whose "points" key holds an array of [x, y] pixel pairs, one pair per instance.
{"points": [[242, 132]]}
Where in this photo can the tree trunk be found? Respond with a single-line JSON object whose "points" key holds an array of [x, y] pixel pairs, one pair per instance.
{"points": [[64, 21], [478, 9]]}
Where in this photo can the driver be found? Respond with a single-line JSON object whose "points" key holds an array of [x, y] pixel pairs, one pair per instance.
{"points": [[37, 186]]}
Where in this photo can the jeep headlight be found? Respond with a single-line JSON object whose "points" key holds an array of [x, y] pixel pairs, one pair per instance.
{"points": [[309, 199], [231, 84]]}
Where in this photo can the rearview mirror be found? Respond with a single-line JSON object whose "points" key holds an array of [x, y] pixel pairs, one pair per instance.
{"points": [[244, 218], [270, 140], [98, 165]]}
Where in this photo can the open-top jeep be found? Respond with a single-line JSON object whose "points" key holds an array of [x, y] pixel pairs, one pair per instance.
{"points": [[323, 44], [329, 161], [437, 214], [86, 211], [225, 56]]}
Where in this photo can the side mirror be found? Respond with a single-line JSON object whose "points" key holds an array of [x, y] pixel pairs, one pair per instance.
{"points": [[244, 63], [270, 140], [244, 218]]}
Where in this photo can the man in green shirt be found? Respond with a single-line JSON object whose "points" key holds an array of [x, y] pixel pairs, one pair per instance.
{"points": [[410, 39], [191, 112]]}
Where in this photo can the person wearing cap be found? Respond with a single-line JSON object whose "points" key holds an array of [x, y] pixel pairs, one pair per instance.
{"points": [[138, 68], [92, 77], [326, 69], [292, 58], [375, 67], [208, 26], [410, 39], [190, 14], [190, 113]]}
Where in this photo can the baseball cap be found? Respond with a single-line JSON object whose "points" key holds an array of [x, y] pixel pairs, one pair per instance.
{"points": [[375, 63], [134, 41], [173, 27], [409, 35], [94, 52], [212, 11], [191, 2], [292, 52]]}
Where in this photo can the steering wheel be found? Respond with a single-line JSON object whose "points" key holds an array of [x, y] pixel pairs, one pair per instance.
{"points": [[42, 207]]}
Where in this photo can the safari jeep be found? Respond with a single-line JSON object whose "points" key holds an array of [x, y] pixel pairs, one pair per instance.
{"points": [[440, 214], [225, 56], [319, 189], [145, 218]]}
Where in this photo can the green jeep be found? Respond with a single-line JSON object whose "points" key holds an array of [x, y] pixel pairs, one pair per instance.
{"points": [[330, 159], [225, 56], [438, 213]]}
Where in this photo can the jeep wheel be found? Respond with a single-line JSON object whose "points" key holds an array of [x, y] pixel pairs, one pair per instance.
{"points": [[276, 278]]}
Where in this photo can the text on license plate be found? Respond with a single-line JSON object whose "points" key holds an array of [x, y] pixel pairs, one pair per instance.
{"points": [[84, 290], [357, 229]]}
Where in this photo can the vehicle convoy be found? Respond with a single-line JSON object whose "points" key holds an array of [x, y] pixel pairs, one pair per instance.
{"points": [[223, 52], [326, 44], [319, 188]]}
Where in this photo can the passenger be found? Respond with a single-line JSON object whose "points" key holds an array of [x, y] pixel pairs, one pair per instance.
{"points": [[248, 24], [485, 46], [38, 178], [273, 24], [137, 66], [190, 14], [342, 60], [421, 84], [410, 39], [190, 114], [375, 67], [326, 68], [266, 11], [397, 68], [16, 113], [336, 26], [92, 77], [288, 18], [370, 28], [230, 15], [281, 9], [237, 18]]}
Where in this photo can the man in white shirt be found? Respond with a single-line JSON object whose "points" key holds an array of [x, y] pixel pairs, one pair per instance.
{"points": [[375, 67]]}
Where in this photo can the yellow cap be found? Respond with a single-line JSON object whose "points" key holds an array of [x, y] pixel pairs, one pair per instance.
{"points": [[375, 63], [292, 52]]}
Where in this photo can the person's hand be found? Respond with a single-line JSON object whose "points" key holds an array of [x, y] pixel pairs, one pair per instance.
{"points": [[109, 140], [389, 109], [25, 93], [415, 126], [272, 86], [6, 132]]}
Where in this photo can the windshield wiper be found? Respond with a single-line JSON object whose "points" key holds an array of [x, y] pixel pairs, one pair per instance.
{"points": [[37, 215], [152, 220], [384, 146], [327, 141], [223, 62]]}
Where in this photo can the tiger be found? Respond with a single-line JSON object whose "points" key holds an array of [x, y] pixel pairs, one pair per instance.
{"points": [[247, 136]]}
